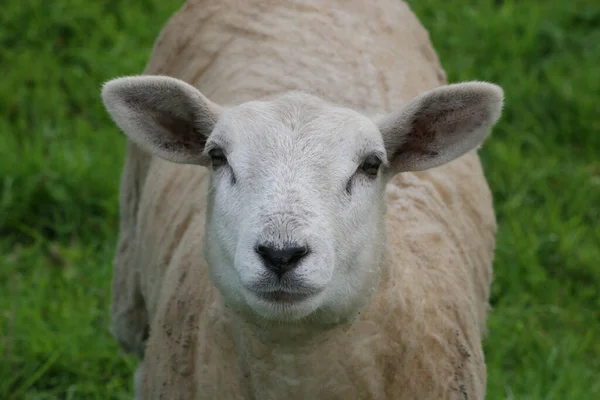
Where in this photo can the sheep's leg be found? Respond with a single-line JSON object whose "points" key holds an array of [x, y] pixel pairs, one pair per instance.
{"points": [[129, 317], [128, 308], [137, 381]]}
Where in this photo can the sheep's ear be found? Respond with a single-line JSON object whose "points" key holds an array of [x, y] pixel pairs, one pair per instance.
{"points": [[440, 125], [164, 116]]}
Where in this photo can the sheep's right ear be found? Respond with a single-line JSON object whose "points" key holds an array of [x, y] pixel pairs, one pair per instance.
{"points": [[165, 116]]}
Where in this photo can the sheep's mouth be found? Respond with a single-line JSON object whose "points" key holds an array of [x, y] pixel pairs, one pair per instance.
{"points": [[281, 296]]}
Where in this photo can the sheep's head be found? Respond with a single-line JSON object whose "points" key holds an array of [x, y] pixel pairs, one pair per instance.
{"points": [[295, 223]]}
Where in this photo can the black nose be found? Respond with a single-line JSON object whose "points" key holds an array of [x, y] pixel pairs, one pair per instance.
{"points": [[281, 259]]}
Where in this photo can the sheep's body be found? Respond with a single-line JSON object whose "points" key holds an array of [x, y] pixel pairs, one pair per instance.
{"points": [[420, 335]]}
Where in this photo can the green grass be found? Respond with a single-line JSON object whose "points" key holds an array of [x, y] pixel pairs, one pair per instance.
{"points": [[61, 157]]}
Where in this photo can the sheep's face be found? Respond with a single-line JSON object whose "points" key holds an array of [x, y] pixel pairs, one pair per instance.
{"points": [[296, 206], [295, 226]]}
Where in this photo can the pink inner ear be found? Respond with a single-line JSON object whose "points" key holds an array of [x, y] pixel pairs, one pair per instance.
{"points": [[421, 135], [431, 130], [459, 124], [180, 134]]}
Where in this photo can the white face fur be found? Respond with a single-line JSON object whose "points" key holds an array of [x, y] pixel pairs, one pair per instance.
{"points": [[295, 173], [295, 223]]}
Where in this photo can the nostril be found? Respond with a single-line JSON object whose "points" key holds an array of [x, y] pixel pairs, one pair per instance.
{"points": [[281, 259], [262, 250], [296, 253]]}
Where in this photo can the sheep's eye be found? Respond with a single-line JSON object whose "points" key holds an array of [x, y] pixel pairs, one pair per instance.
{"points": [[370, 165], [217, 157]]}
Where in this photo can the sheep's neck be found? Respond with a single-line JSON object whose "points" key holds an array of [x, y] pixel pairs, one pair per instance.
{"points": [[288, 335]]}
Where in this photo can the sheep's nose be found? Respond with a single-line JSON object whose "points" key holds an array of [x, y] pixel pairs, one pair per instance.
{"points": [[281, 259]]}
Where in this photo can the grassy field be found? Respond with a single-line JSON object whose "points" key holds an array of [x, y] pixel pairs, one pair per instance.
{"points": [[60, 160]]}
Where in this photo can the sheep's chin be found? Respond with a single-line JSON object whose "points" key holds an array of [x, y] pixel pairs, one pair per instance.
{"points": [[282, 308]]}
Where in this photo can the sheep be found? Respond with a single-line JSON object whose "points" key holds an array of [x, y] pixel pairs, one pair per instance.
{"points": [[304, 214]]}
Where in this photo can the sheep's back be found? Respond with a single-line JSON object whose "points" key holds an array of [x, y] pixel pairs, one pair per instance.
{"points": [[372, 56]]}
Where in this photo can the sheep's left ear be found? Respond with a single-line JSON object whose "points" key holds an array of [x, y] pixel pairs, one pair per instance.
{"points": [[440, 125]]}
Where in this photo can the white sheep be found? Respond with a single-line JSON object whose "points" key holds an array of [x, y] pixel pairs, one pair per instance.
{"points": [[303, 212]]}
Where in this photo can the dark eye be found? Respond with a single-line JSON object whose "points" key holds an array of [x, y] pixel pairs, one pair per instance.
{"points": [[370, 165], [217, 157]]}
